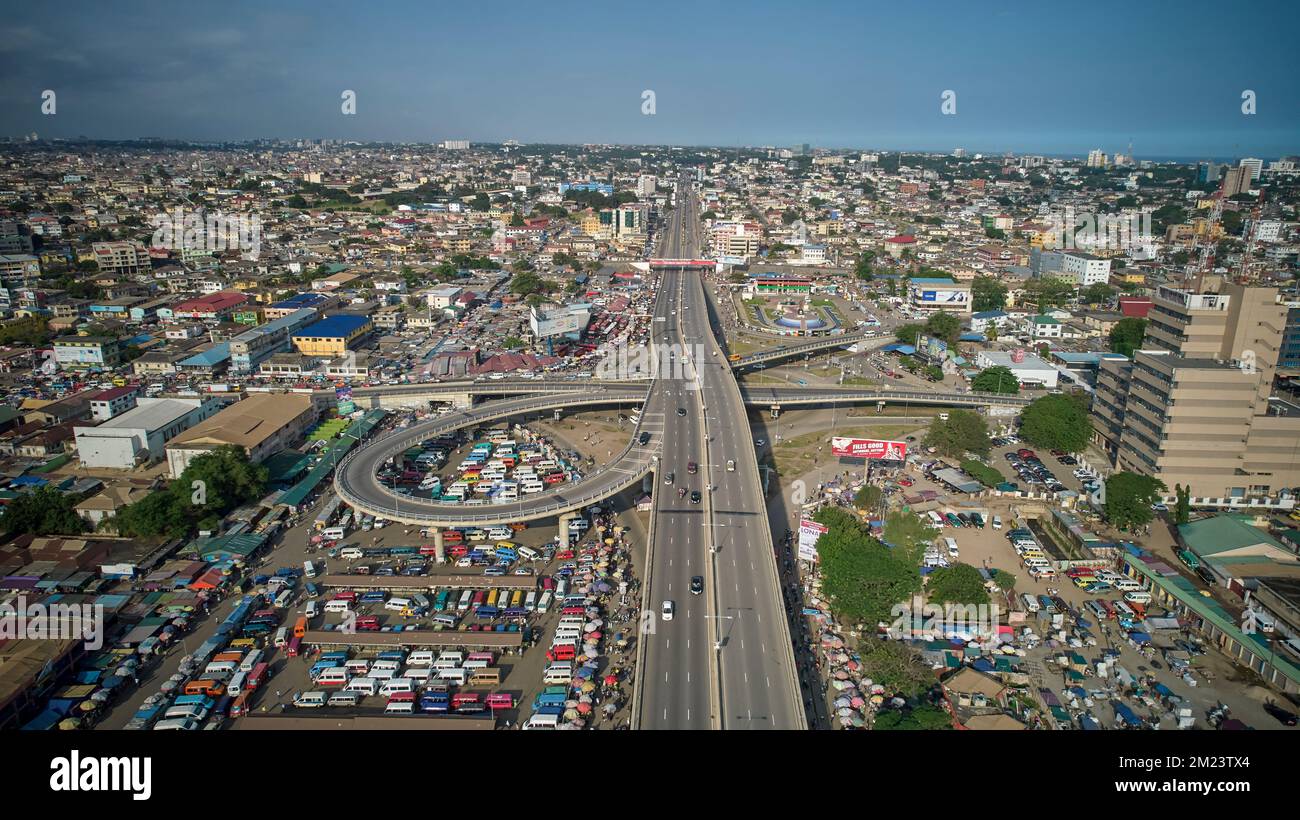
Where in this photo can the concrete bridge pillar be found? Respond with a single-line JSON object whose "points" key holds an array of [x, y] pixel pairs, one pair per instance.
{"points": [[461, 401], [565, 518], [439, 547]]}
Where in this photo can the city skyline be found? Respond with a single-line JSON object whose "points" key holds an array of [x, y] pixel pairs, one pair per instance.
{"points": [[423, 75]]}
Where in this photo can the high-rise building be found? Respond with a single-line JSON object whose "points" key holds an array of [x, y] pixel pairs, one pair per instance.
{"points": [[1236, 181], [1194, 406], [1207, 171], [1256, 166], [645, 185], [1096, 158]]}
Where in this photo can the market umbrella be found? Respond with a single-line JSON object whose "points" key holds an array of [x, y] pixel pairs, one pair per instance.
{"points": [[70, 723], [571, 714], [610, 680], [584, 708], [588, 687], [88, 706], [609, 708]]}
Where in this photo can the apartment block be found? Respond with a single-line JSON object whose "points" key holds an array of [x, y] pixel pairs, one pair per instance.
{"points": [[122, 258], [1195, 406]]}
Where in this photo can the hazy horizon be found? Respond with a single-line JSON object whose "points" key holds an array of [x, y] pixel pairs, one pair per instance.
{"points": [[831, 74]]}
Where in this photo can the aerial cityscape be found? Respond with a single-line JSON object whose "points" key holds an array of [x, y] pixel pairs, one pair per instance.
{"points": [[345, 420]]}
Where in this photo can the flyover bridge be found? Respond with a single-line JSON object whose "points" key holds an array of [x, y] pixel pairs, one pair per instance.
{"points": [[807, 348], [631, 390], [358, 485]]}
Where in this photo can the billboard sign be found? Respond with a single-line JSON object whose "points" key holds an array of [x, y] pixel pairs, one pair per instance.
{"points": [[809, 532], [869, 448], [932, 348]]}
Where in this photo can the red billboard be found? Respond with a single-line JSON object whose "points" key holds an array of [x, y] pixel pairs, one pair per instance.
{"points": [[869, 448]]}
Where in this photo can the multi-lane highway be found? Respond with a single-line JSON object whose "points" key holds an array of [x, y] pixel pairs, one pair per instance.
{"points": [[724, 660]]}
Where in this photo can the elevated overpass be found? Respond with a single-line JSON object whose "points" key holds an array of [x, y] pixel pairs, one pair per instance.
{"points": [[631, 391], [776, 354], [358, 485]]}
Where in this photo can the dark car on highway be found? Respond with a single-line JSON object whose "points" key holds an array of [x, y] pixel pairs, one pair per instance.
{"points": [[643, 439], [697, 584], [695, 496]]}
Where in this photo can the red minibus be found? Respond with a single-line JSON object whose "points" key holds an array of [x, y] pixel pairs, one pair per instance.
{"points": [[257, 676]]}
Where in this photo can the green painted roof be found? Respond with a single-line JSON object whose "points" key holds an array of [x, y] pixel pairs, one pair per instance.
{"points": [[1221, 533]]}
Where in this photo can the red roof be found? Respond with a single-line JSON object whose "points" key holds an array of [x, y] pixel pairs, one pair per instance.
{"points": [[225, 300], [1135, 306], [113, 393], [903, 239]]}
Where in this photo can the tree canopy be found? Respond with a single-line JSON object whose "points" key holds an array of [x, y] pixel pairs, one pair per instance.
{"points": [[212, 485], [1129, 497], [861, 577], [1127, 335], [987, 293], [1056, 422], [996, 379], [957, 584], [962, 432], [44, 511]]}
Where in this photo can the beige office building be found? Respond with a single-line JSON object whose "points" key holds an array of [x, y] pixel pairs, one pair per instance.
{"points": [[263, 424], [1194, 407]]}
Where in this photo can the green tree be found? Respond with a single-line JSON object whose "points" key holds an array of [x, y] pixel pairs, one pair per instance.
{"points": [[894, 665], [861, 577], [1098, 293], [907, 334], [44, 511], [962, 432], [946, 326], [1183, 510], [516, 220], [212, 485], [526, 283], [1056, 422], [957, 584], [1005, 580], [869, 497], [987, 293], [864, 268], [1129, 497], [923, 718], [996, 379], [1049, 291], [1127, 335]]}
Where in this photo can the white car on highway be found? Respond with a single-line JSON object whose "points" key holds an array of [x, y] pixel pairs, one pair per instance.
{"points": [[668, 610]]}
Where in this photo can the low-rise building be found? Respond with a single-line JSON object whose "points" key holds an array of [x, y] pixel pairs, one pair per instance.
{"points": [[332, 336], [139, 436], [262, 424], [110, 403]]}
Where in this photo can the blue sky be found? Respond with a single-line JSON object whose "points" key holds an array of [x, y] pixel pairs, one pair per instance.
{"points": [[1029, 77]]}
